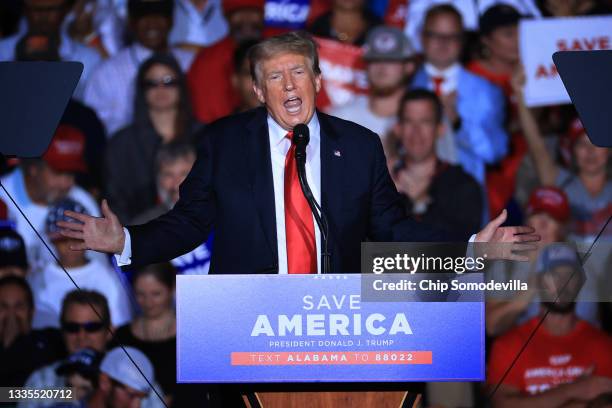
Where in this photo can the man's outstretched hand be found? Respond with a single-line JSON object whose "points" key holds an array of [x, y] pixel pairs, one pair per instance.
{"points": [[513, 240], [104, 234]]}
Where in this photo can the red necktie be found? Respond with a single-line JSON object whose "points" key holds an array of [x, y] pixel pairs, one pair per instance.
{"points": [[437, 81], [299, 227]]}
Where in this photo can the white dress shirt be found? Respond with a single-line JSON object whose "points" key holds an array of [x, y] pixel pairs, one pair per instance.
{"points": [[450, 75], [192, 26], [279, 146]]}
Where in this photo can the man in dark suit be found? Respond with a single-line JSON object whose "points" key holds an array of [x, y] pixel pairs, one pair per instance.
{"points": [[244, 185]]}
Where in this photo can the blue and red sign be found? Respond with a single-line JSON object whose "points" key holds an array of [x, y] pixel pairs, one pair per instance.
{"points": [[315, 328], [287, 14]]}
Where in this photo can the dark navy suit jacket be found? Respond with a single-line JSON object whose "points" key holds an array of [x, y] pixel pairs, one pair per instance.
{"points": [[230, 189]]}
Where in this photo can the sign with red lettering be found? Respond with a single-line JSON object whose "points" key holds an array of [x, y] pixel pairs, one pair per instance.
{"points": [[540, 39], [343, 71]]}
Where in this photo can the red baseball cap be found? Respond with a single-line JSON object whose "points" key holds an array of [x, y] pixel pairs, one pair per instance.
{"points": [[3, 211], [549, 200], [229, 6], [65, 153], [568, 140]]}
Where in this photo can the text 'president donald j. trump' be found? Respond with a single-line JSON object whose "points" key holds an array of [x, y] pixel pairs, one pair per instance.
{"points": [[244, 185]]}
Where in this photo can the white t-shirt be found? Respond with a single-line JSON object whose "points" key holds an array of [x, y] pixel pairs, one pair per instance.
{"points": [[52, 285], [358, 111], [38, 255]]}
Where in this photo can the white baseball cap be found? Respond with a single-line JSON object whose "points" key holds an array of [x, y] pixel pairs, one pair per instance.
{"points": [[117, 365]]}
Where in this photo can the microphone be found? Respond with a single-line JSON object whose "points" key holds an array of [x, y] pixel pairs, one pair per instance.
{"points": [[301, 138]]}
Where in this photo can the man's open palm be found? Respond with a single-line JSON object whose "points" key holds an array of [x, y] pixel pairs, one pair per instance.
{"points": [[511, 243], [102, 234]]}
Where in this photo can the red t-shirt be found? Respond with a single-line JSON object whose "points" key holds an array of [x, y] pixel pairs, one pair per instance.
{"points": [[548, 360], [210, 81]]}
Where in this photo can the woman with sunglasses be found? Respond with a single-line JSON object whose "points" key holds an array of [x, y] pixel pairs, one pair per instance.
{"points": [[162, 115], [154, 331]]}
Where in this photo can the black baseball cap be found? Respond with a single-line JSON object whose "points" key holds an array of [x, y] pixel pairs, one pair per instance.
{"points": [[85, 362], [12, 249], [387, 44], [141, 8], [497, 16]]}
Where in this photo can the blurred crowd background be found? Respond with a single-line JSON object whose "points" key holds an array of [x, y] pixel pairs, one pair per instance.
{"points": [[441, 83]]}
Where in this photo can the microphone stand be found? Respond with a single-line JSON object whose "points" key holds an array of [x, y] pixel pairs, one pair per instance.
{"points": [[300, 158]]}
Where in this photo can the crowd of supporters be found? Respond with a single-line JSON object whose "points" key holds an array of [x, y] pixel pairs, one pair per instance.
{"points": [[444, 90]]}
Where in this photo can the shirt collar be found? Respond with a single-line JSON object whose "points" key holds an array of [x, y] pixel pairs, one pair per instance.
{"points": [[191, 9], [450, 72], [141, 52], [277, 133]]}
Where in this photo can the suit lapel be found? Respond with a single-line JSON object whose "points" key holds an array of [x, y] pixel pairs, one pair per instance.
{"points": [[332, 171], [259, 166]]}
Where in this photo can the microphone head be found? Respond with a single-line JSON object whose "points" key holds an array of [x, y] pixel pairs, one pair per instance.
{"points": [[301, 135]]}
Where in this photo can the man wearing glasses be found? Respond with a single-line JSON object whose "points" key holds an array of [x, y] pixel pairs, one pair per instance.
{"points": [[121, 383], [473, 108], [81, 327]]}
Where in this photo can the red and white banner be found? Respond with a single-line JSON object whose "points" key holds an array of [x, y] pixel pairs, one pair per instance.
{"points": [[540, 39], [343, 71]]}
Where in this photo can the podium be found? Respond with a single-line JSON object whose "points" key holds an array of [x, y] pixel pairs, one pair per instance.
{"points": [[327, 399], [310, 341]]}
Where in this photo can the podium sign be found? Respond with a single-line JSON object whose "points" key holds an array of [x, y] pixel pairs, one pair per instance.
{"points": [[315, 328]]}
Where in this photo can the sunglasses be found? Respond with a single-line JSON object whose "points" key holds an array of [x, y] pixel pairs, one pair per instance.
{"points": [[89, 327], [167, 81], [443, 37]]}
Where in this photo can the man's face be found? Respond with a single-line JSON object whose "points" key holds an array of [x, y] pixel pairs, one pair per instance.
{"points": [[549, 229], [45, 16], [348, 5], [14, 308], [171, 175], [419, 129], [49, 185], [152, 31], [83, 387], [68, 257], [246, 24], [385, 77], [243, 84], [13, 271], [77, 340], [122, 396], [442, 41], [288, 87], [590, 159], [560, 286]]}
